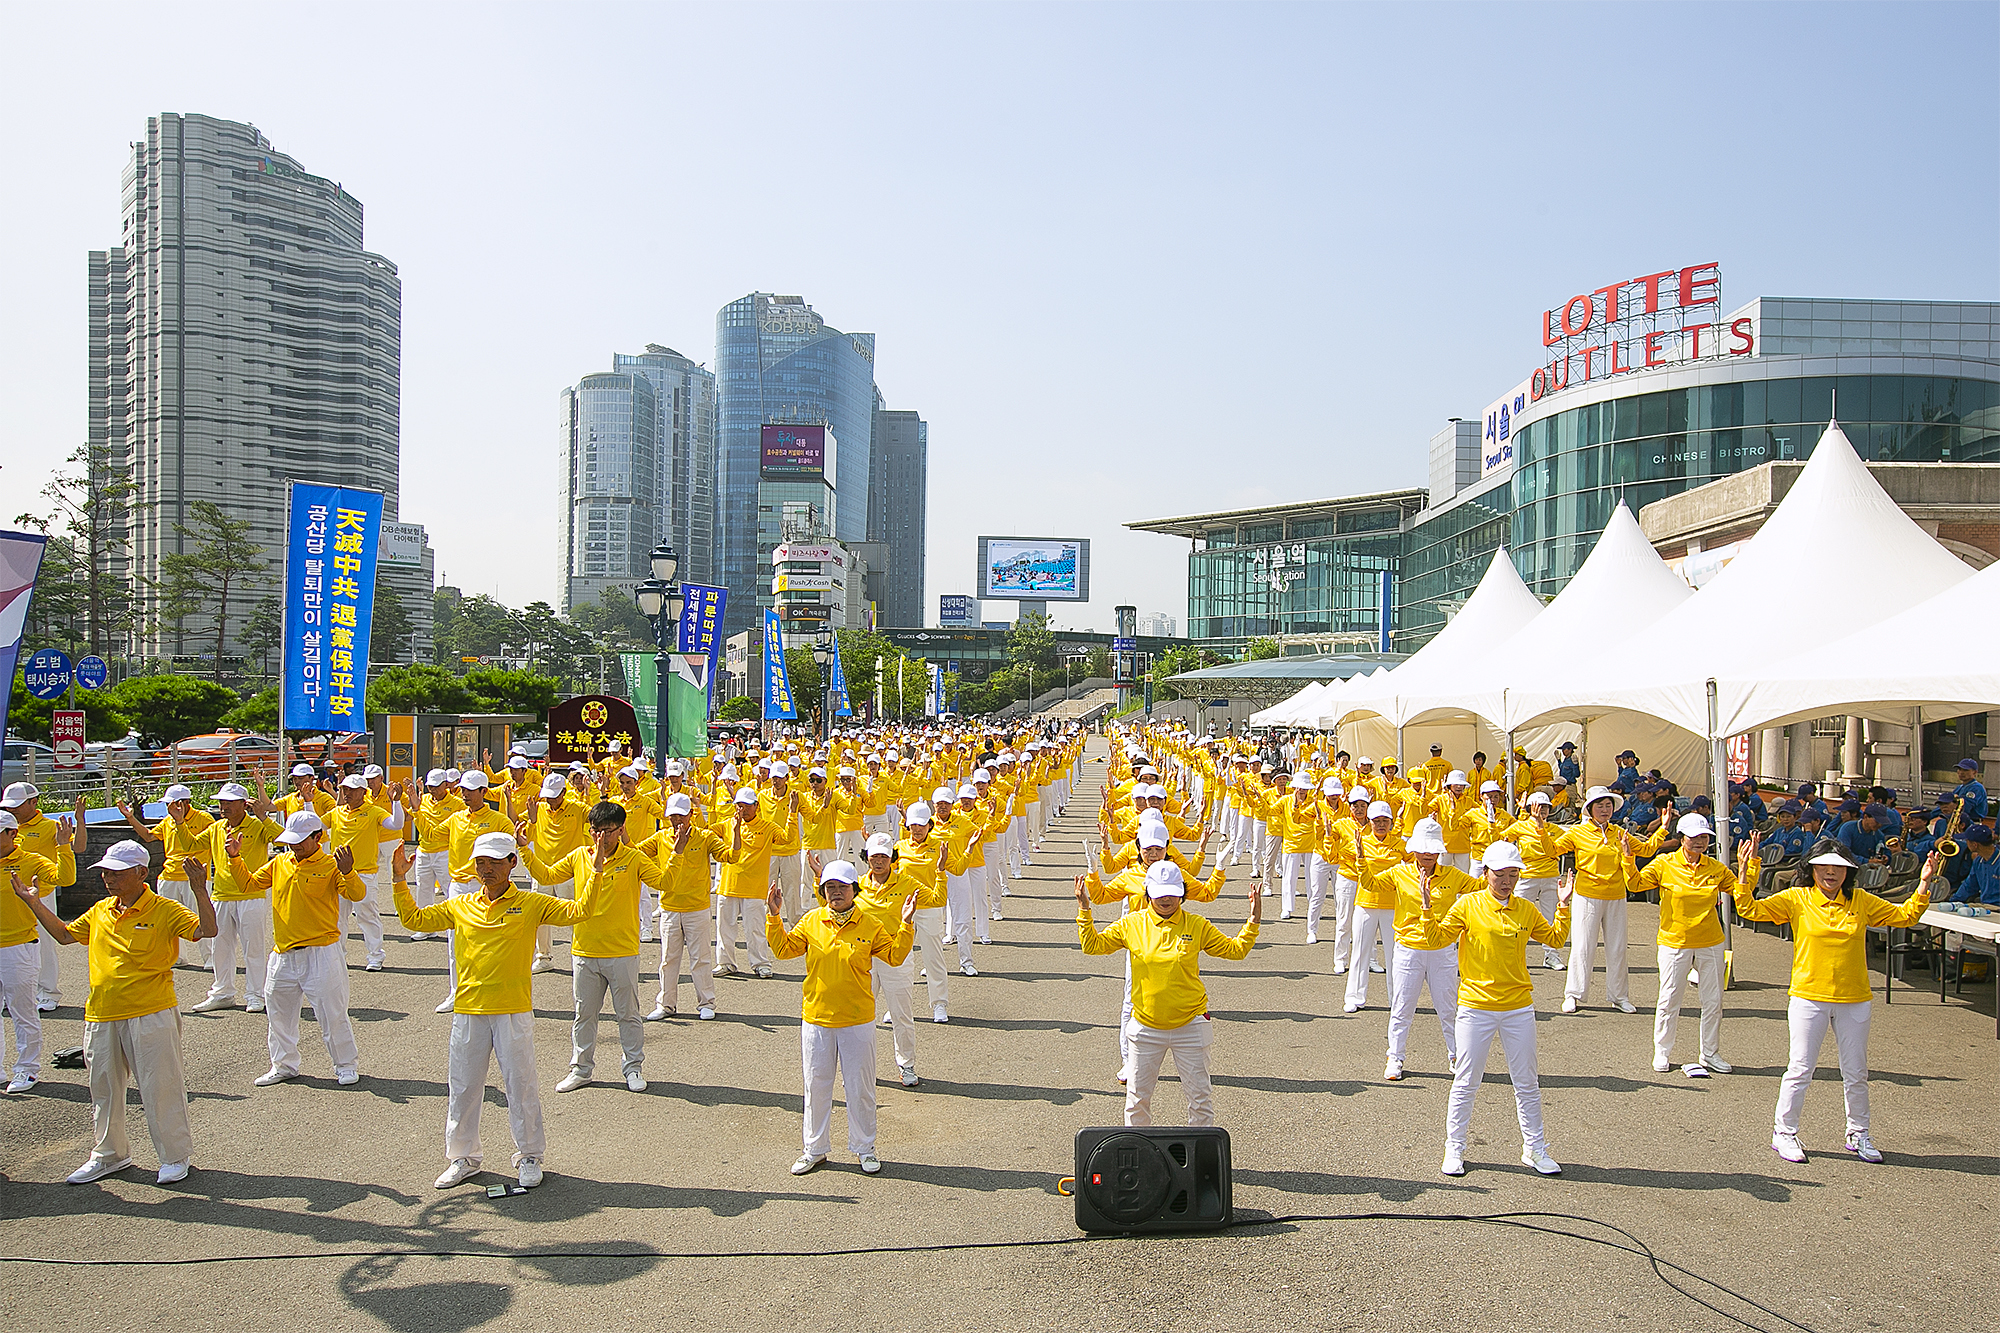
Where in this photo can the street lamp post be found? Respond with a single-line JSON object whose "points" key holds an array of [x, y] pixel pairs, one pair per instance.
{"points": [[822, 651], [660, 601]]}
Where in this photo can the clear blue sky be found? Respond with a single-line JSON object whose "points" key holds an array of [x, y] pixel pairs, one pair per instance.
{"points": [[1129, 261]]}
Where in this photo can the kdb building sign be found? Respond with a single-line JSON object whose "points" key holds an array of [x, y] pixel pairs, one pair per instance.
{"points": [[1659, 319]]}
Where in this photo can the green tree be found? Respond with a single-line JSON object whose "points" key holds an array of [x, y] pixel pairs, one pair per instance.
{"points": [[167, 708], [90, 501], [257, 713], [1099, 663], [33, 719], [423, 688], [389, 637], [263, 630], [743, 708], [1174, 662], [1032, 643], [613, 619], [499, 690], [202, 582], [483, 627], [445, 604], [1260, 650]]}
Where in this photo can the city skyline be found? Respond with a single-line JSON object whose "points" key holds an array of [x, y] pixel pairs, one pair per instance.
{"points": [[1350, 283]]}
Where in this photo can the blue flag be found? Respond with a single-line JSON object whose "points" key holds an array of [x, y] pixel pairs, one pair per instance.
{"points": [[839, 684], [777, 685], [330, 546]]}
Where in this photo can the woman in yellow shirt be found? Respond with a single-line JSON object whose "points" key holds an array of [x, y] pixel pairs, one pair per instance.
{"points": [[1425, 891], [1830, 987], [1690, 882], [840, 944], [1169, 1003]]}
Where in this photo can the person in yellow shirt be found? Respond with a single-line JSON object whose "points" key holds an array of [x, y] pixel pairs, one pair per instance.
{"points": [[558, 825], [849, 802], [131, 1029], [1492, 930], [1450, 801], [1425, 892], [1603, 853], [1830, 918], [242, 911], [840, 944], [1342, 850], [743, 883], [1689, 882], [1296, 823], [306, 794], [687, 926], [309, 890], [38, 834], [881, 892], [782, 809], [429, 807], [493, 936], [362, 826], [1436, 770], [1379, 849], [20, 950], [1169, 1002], [180, 835], [819, 813], [608, 877]]}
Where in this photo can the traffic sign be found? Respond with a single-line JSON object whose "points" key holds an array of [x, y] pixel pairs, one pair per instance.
{"points": [[91, 672], [67, 733], [1124, 645], [47, 673]]}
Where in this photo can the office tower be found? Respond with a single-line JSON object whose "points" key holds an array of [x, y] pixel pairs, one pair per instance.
{"points": [[899, 469], [777, 361], [684, 392], [1156, 625], [240, 337]]}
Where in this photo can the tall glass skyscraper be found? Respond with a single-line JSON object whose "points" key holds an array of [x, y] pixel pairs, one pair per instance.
{"points": [[896, 502], [684, 392], [776, 360]]}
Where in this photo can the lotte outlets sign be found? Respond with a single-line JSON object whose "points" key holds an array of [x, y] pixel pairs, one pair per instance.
{"points": [[1658, 319]]}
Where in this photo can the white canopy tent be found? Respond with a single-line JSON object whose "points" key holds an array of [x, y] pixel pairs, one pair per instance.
{"points": [[1290, 712]]}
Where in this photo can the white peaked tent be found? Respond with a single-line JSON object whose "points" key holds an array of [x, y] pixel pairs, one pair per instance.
{"points": [[1296, 711], [1835, 518]]}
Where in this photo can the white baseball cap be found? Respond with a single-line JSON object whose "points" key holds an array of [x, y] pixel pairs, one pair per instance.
{"points": [[1153, 835], [518, 761], [1365, 763], [453, 775], [674, 769], [968, 792], [1693, 826], [1504, 856], [299, 827], [19, 793], [1164, 880], [232, 791], [631, 771], [1381, 810], [8, 821], [475, 780], [1428, 837], [302, 770], [1540, 798], [434, 778], [918, 813], [373, 771], [1300, 782], [1455, 778], [1490, 785], [781, 769], [846, 771], [498, 846], [126, 855], [943, 796], [747, 796], [354, 782], [680, 803], [1330, 787], [554, 785], [838, 872], [881, 844], [176, 793], [1360, 794]]}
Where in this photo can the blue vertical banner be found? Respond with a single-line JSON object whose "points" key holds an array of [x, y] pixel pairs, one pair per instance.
{"points": [[701, 624], [20, 562], [332, 534], [841, 708], [777, 685]]}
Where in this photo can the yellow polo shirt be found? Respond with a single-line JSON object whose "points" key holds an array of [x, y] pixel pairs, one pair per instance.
{"points": [[493, 941], [1829, 936], [609, 927], [687, 870], [132, 955], [18, 923], [255, 833], [1493, 947], [839, 989], [184, 841], [305, 897], [1166, 959]]}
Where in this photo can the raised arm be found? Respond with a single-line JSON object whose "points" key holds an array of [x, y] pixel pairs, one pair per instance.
{"points": [[50, 921], [139, 827]]}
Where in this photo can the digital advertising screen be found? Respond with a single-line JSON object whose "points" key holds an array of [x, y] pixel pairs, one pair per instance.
{"points": [[792, 453], [1033, 569]]}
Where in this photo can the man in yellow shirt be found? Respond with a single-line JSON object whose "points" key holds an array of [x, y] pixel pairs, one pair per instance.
{"points": [[493, 939], [242, 911], [180, 834], [848, 801], [742, 884], [1169, 1002], [558, 826], [20, 951], [1689, 882], [1495, 998], [1425, 892], [362, 826], [1296, 824], [1436, 770], [38, 835], [306, 794], [430, 806], [1378, 850], [782, 809], [687, 926], [840, 944], [131, 1029], [881, 894], [309, 890]]}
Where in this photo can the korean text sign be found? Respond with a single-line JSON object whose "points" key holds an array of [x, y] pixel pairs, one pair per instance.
{"points": [[777, 685], [330, 554]]}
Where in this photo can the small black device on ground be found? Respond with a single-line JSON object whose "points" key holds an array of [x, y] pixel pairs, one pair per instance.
{"points": [[1152, 1179]]}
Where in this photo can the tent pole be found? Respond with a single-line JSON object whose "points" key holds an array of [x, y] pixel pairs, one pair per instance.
{"points": [[1507, 762], [1718, 780], [1583, 759], [1399, 751], [1917, 757]]}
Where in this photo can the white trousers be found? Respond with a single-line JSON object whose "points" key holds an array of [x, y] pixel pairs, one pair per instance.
{"points": [[48, 985], [1409, 972], [850, 844], [1589, 916], [970, 910], [593, 980], [1294, 862], [1345, 891], [893, 995], [788, 873], [929, 924], [1809, 1020], [318, 974], [545, 936], [1476, 1030], [1036, 826], [1674, 967], [369, 913], [145, 1050], [746, 914], [183, 893], [431, 882], [1369, 923], [475, 1040], [453, 889], [1017, 846], [852, 1051], [1318, 881], [882, 823], [690, 935], [20, 964], [1190, 1044], [1457, 861], [241, 924]]}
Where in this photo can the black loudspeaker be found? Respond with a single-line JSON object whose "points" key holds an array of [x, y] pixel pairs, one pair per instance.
{"points": [[1152, 1179]]}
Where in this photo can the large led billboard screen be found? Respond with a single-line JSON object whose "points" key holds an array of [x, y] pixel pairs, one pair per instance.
{"points": [[1034, 569], [793, 453]]}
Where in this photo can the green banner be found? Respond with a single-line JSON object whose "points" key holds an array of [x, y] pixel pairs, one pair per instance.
{"points": [[642, 689], [687, 702]]}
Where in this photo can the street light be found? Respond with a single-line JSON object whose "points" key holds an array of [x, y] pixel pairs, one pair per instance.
{"points": [[822, 651], [660, 601]]}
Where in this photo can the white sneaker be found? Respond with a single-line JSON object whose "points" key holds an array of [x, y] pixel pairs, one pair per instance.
{"points": [[1454, 1162], [347, 1078], [274, 1076], [1661, 1064], [1862, 1146], [374, 965], [531, 1172], [543, 963], [910, 1079], [254, 1007], [1627, 1007], [660, 1014], [1569, 1004], [938, 1015], [1539, 1159], [705, 1013], [1340, 969], [1552, 960], [727, 970], [571, 1081], [447, 1007], [172, 1173], [635, 1081], [986, 939], [1718, 1065], [49, 1007], [994, 915], [1787, 1147], [805, 1163], [968, 969], [96, 1169], [1374, 966], [886, 1021], [763, 972], [1393, 1071], [21, 1083], [870, 1165], [212, 1003], [1312, 937], [1284, 916], [1351, 1007], [461, 1170]]}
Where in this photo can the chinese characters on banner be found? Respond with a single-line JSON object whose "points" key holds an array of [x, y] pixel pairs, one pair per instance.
{"points": [[329, 605], [777, 686]]}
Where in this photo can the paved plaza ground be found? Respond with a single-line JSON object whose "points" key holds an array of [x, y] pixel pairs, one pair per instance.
{"points": [[697, 1166]]}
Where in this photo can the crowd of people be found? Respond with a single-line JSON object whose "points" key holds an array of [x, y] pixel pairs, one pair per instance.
{"points": [[875, 849]]}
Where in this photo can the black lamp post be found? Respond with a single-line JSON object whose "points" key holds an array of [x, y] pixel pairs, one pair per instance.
{"points": [[823, 658], [660, 600]]}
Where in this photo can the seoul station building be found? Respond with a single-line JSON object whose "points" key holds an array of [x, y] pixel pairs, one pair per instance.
{"points": [[1645, 389]]}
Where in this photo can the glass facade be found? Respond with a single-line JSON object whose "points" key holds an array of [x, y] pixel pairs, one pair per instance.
{"points": [[1444, 557], [611, 441]]}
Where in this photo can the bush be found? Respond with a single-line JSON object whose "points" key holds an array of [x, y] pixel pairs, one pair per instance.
{"points": [[165, 709], [258, 713], [418, 689], [740, 709]]}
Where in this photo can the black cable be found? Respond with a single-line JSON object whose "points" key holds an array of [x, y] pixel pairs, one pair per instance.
{"points": [[1515, 1219]]}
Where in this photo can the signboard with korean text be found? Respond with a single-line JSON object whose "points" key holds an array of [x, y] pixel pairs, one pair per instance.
{"points": [[332, 538], [66, 733], [92, 672], [584, 727], [701, 620], [792, 453], [46, 673], [955, 609], [777, 685]]}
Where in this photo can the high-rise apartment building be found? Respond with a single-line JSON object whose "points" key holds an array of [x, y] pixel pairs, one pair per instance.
{"points": [[685, 393], [897, 481], [240, 337], [1156, 624], [777, 361]]}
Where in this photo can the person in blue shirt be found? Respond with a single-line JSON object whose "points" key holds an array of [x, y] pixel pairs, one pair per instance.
{"points": [[1747, 793], [1841, 815], [1886, 798], [1812, 824], [1982, 869], [1970, 790], [1628, 769], [1864, 836], [1787, 840], [1567, 767]]}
